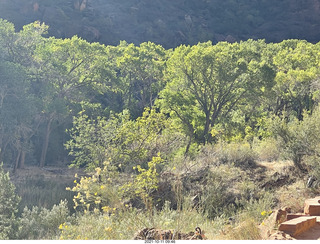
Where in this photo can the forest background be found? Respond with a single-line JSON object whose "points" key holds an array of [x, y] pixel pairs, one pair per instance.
{"points": [[149, 125]]}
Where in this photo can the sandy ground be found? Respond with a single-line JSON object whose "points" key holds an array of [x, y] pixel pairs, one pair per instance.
{"points": [[311, 234]]}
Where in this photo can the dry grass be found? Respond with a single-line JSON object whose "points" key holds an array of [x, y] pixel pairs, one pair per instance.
{"points": [[293, 196], [246, 230], [275, 166]]}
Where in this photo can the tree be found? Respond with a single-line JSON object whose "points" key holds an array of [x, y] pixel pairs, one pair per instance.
{"points": [[299, 139], [7, 37], [19, 46], [119, 140], [65, 70], [16, 114], [249, 118], [297, 67], [141, 71], [206, 82], [17, 95]]}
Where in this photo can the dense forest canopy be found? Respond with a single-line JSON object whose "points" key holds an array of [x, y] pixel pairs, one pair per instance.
{"points": [[170, 23], [128, 102]]}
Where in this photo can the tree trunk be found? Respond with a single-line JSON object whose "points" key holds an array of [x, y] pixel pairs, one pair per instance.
{"points": [[188, 146], [45, 143], [2, 151], [22, 159], [206, 134], [16, 165], [297, 161]]}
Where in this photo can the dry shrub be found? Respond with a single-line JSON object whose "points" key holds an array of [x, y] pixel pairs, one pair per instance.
{"points": [[293, 196], [266, 150], [246, 230], [239, 154], [222, 189]]}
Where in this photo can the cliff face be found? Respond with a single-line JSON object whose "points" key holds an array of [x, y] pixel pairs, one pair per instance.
{"points": [[168, 22]]}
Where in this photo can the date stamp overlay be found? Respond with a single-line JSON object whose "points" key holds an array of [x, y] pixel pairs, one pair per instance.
{"points": [[159, 241]]}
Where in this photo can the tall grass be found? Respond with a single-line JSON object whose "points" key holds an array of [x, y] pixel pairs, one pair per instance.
{"points": [[123, 225], [44, 192]]}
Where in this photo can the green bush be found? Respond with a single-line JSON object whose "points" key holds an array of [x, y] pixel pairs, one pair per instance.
{"points": [[43, 191], [257, 209], [41, 223], [299, 140], [9, 202], [229, 191], [96, 226]]}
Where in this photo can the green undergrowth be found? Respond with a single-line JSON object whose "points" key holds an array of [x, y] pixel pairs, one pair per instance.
{"points": [[42, 192]]}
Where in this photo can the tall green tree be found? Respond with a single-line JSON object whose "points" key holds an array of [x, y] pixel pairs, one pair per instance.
{"points": [[18, 49], [7, 38], [65, 70], [206, 82], [17, 114], [297, 65], [141, 72]]}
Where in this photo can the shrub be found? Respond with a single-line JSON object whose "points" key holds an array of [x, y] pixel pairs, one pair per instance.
{"points": [[298, 139], [145, 182], [313, 165], [98, 190], [8, 206], [293, 196], [41, 223], [266, 150], [226, 185], [246, 220], [238, 153], [246, 230], [256, 209]]}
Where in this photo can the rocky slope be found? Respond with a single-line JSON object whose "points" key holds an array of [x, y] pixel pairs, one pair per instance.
{"points": [[170, 23]]}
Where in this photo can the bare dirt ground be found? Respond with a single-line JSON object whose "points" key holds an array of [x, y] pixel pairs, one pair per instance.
{"points": [[311, 234]]}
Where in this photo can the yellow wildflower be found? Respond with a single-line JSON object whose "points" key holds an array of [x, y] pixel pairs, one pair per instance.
{"points": [[108, 229], [98, 170], [106, 208]]}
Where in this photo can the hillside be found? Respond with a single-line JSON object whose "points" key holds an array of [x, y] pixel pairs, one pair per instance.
{"points": [[170, 23]]}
